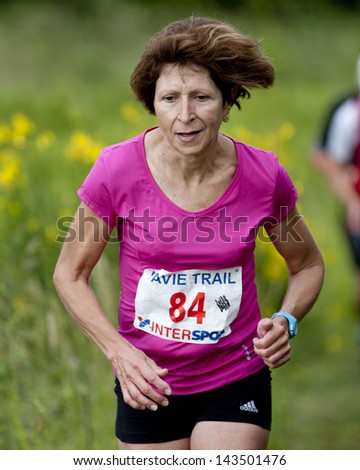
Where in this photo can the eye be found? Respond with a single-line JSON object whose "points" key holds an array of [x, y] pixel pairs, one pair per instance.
{"points": [[169, 98], [201, 97]]}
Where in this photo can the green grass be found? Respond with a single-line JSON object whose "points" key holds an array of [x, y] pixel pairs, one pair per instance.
{"points": [[70, 73]]}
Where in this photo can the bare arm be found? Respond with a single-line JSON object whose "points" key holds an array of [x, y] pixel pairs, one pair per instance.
{"points": [[137, 373], [305, 265], [341, 178]]}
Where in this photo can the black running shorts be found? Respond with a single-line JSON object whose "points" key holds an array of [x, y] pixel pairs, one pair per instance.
{"points": [[245, 401]]}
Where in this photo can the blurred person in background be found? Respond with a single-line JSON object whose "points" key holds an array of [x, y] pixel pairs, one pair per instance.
{"points": [[337, 156], [191, 353]]}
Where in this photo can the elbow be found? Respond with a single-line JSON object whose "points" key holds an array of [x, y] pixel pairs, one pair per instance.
{"points": [[319, 266], [59, 277], [322, 270], [321, 274], [320, 260], [64, 277], [313, 267]]}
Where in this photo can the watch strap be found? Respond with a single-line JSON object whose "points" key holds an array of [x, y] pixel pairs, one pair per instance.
{"points": [[292, 321]]}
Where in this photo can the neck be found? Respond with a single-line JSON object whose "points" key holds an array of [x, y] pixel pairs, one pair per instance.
{"points": [[192, 167]]}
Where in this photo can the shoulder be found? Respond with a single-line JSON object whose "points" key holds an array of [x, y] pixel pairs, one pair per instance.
{"points": [[341, 134], [341, 112], [347, 102], [260, 172], [348, 109], [257, 162], [121, 153], [119, 164], [265, 182]]}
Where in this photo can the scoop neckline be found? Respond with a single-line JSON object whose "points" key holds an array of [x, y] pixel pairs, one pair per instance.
{"points": [[169, 202]]}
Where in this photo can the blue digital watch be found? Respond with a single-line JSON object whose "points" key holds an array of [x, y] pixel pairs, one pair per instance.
{"points": [[292, 321]]}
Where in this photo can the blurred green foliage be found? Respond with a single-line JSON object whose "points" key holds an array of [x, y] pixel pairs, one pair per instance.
{"points": [[281, 7]]}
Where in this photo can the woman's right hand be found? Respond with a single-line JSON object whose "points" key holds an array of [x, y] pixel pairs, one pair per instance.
{"points": [[141, 379]]}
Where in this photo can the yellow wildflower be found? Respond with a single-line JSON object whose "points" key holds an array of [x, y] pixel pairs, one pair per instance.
{"points": [[45, 140], [286, 132], [82, 147], [21, 128], [130, 114], [9, 168], [5, 134], [242, 134]]}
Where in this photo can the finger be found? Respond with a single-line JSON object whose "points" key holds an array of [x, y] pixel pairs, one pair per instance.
{"points": [[163, 372], [272, 344], [150, 389], [141, 395], [275, 357], [145, 394], [264, 326], [144, 385], [274, 363], [129, 400], [266, 341], [153, 380], [157, 369], [153, 374]]}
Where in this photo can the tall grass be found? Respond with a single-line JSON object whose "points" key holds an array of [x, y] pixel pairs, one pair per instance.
{"points": [[64, 94]]}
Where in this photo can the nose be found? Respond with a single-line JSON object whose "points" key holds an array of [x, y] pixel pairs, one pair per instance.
{"points": [[186, 112]]}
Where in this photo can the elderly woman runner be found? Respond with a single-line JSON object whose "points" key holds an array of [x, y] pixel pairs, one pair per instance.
{"points": [[191, 353]]}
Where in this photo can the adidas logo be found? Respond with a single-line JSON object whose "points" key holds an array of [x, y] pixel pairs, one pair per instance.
{"points": [[249, 406]]}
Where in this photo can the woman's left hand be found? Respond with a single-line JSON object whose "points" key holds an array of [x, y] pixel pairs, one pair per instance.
{"points": [[272, 343]]}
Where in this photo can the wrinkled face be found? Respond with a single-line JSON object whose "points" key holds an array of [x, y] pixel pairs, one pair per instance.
{"points": [[189, 108]]}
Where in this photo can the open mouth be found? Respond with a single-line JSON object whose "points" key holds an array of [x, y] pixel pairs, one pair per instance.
{"points": [[188, 134]]}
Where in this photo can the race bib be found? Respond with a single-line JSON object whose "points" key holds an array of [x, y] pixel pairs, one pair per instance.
{"points": [[190, 306]]}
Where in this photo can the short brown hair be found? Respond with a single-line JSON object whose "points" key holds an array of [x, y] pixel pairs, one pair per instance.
{"points": [[234, 61]]}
